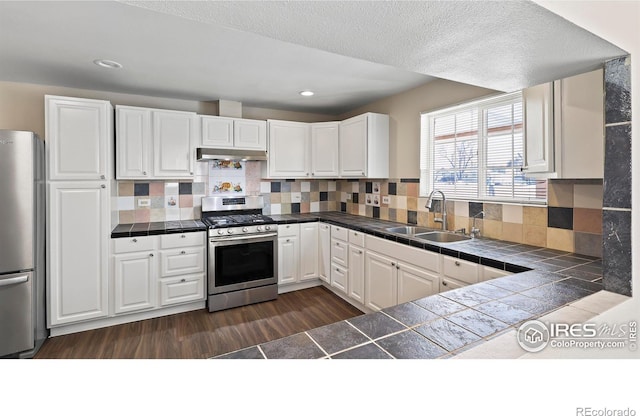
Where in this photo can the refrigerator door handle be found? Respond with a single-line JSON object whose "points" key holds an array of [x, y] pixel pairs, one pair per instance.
{"points": [[14, 280]]}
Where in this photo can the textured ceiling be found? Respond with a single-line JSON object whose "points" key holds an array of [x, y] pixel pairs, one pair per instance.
{"points": [[264, 53]]}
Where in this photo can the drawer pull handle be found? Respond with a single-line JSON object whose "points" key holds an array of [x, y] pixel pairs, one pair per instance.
{"points": [[359, 251], [393, 264], [102, 177], [135, 240], [398, 266], [444, 283], [457, 263], [183, 252], [151, 255], [183, 236], [288, 240], [183, 280], [103, 186]]}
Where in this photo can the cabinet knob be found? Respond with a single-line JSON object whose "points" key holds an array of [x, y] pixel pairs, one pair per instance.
{"points": [[397, 266], [444, 283], [183, 252], [359, 251], [362, 173], [135, 240], [312, 174], [183, 236], [457, 263], [183, 280], [144, 173], [393, 264], [307, 173], [101, 176], [288, 240], [151, 255], [191, 173], [103, 186], [338, 244]]}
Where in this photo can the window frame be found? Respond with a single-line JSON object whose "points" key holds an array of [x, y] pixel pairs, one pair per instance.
{"points": [[427, 148]]}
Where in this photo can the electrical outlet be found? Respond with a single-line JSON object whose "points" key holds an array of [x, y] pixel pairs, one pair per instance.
{"points": [[385, 199], [348, 196], [144, 202]]}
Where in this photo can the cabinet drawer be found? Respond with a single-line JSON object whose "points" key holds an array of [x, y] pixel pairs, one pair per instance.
{"points": [[181, 289], [133, 244], [339, 252], [182, 240], [339, 278], [340, 233], [187, 260], [288, 230], [356, 237], [424, 259], [461, 270], [488, 273]]}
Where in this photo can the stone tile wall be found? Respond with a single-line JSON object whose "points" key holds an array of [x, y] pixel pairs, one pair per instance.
{"points": [[616, 216]]}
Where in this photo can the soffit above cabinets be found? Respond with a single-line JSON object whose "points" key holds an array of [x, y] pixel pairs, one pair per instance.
{"points": [[264, 53]]}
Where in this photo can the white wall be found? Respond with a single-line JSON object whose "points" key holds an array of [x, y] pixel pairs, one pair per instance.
{"points": [[616, 22]]}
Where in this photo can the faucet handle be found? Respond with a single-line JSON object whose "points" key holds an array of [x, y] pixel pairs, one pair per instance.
{"points": [[461, 231]]}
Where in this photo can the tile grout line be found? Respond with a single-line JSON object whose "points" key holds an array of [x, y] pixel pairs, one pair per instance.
{"points": [[318, 345], [262, 352]]}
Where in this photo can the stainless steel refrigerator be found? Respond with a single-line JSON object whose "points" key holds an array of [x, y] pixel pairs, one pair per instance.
{"points": [[22, 244]]}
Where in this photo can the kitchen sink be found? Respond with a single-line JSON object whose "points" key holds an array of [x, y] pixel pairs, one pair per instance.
{"points": [[442, 237], [408, 230]]}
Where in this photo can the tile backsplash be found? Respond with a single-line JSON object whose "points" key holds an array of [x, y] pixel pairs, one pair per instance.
{"points": [[572, 220]]}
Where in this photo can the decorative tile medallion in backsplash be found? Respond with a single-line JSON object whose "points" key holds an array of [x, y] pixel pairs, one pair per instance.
{"points": [[227, 177]]}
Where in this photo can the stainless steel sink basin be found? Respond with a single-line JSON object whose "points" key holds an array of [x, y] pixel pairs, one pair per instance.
{"points": [[408, 230], [442, 237]]}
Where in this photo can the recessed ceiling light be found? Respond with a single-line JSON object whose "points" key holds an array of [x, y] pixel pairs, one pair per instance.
{"points": [[105, 63], [306, 93]]}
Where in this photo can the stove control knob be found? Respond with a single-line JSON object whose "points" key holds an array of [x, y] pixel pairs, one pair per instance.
{"points": [[245, 229], [267, 227], [230, 231], [258, 228], [220, 232]]}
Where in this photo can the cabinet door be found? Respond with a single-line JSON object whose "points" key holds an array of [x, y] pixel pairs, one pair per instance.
{"points": [[380, 281], [325, 149], [173, 138], [250, 134], [133, 142], [356, 273], [135, 282], [324, 252], [308, 251], [78, 135], [216, 132], [288, 260], [353, 147], [77, 251], [538, 132], [288, 149], [415, 283]]}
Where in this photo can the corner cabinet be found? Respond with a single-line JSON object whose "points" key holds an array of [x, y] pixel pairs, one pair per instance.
{"points": [[564, 128], [233, 133], [155, 144], [364, 146], [289, 149]]}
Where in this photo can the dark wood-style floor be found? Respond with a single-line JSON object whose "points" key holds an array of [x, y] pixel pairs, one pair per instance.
{"points": [[200, 334]]}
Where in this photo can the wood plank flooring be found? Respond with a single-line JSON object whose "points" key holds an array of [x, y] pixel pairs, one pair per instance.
{"points": [[200, 334]]}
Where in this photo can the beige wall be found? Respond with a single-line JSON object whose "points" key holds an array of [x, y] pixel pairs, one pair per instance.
{"points": [[404, 111], [22, 105]]}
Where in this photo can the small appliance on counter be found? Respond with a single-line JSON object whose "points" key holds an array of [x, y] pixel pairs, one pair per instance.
{"points": [[242, 253], [22, 244]]}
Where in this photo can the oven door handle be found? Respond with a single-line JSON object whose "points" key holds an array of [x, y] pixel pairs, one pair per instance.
{"points": [[243, 237]]}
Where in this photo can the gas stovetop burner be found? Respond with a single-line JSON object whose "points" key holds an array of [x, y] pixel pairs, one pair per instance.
{"points": [[236, 220]]}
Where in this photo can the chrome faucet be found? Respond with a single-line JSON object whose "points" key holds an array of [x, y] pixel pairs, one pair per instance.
{"points": [[443, 210], [475, 232]]}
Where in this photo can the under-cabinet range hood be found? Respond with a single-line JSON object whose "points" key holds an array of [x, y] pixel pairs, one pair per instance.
{"points": [[206, 153]]}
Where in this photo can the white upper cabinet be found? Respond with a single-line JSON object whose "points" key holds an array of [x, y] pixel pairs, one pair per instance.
{"points": [[325, 149], [173, 135], [564, 128], [216, 132], [289, 155], [250, 134], [78, 134], [155, 144], [364, 146], [538, 132], [233, 133], [133, 142]]}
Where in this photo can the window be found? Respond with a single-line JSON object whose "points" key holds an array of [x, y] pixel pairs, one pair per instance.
{"points": [[475, 151]]}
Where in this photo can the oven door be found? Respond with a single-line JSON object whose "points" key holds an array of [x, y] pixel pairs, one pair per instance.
{"points": [[242, 262]]}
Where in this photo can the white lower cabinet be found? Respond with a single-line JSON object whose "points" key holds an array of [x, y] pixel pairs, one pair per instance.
{"points": [[380, 281], [339, 278], [134, 276], [415, 283], [288, 254], [154, 271], [308, 251], [356, 273]]}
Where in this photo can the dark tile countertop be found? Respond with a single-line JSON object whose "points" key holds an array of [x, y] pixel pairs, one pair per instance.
{"points": [[155, 228], [444, 324]]}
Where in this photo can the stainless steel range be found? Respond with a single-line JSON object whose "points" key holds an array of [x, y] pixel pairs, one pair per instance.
{"points": [[242, 254]]}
